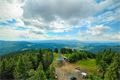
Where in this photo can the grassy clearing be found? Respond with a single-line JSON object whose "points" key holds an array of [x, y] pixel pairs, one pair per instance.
{"points": [[88, 65]]}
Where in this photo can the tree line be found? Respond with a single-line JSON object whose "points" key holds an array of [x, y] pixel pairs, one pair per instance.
{"points": [[108, 62], [79, 55], [28, 65]]}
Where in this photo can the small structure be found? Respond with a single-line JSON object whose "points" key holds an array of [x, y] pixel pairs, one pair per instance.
{"points": [[73, 78], [84, 75], [80, 72], [66, 59], [60, 59]]}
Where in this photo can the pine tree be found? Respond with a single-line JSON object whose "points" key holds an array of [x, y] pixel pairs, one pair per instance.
{"points": [[51, 72], [113, 72], [38, 74], [56, 50], [47, 59], [2, 69], [20, 70]]}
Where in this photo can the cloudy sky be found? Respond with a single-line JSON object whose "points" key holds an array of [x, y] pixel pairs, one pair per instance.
{"points": [[84, 20]]}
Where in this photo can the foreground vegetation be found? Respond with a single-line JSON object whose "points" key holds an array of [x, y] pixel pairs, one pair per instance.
{"points": [[105, 65], [28, 65], [108, 65], [38, 64]]}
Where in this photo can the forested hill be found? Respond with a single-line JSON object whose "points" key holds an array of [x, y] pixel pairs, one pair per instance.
{"points": [[13, 46]]}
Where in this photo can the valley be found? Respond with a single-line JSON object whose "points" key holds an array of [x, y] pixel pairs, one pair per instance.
{"points": [[7, 47]]}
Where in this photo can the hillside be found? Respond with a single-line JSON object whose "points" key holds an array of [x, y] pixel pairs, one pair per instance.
{"points": [[12, 46]]}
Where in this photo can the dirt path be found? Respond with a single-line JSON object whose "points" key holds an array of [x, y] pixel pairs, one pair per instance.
{"points": [[67, 71]]}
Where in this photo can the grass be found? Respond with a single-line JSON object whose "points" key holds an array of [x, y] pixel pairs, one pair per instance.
{"points": [[55, 56], [88, 65]]}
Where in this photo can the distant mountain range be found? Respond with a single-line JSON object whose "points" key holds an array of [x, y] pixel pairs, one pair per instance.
{"points": [[12, 46]]}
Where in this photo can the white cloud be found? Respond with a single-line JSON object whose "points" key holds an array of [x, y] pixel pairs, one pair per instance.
{"points": [[103, 37], [97, 30], [11, 34], [114, 36], [41, 16], [99, 33], [57, 37], [10, 9], [47, 15], [64, 9], [54, 26]]}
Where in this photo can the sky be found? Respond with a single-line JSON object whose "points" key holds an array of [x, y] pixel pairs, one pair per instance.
{"points": [[83, 20]]}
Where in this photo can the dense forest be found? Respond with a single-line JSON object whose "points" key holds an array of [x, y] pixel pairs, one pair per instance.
{"points": [[38, 64], [108, 63], [28, 65]]}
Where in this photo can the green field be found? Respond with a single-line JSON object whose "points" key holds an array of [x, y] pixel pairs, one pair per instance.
{"points": [[88, 65]]}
